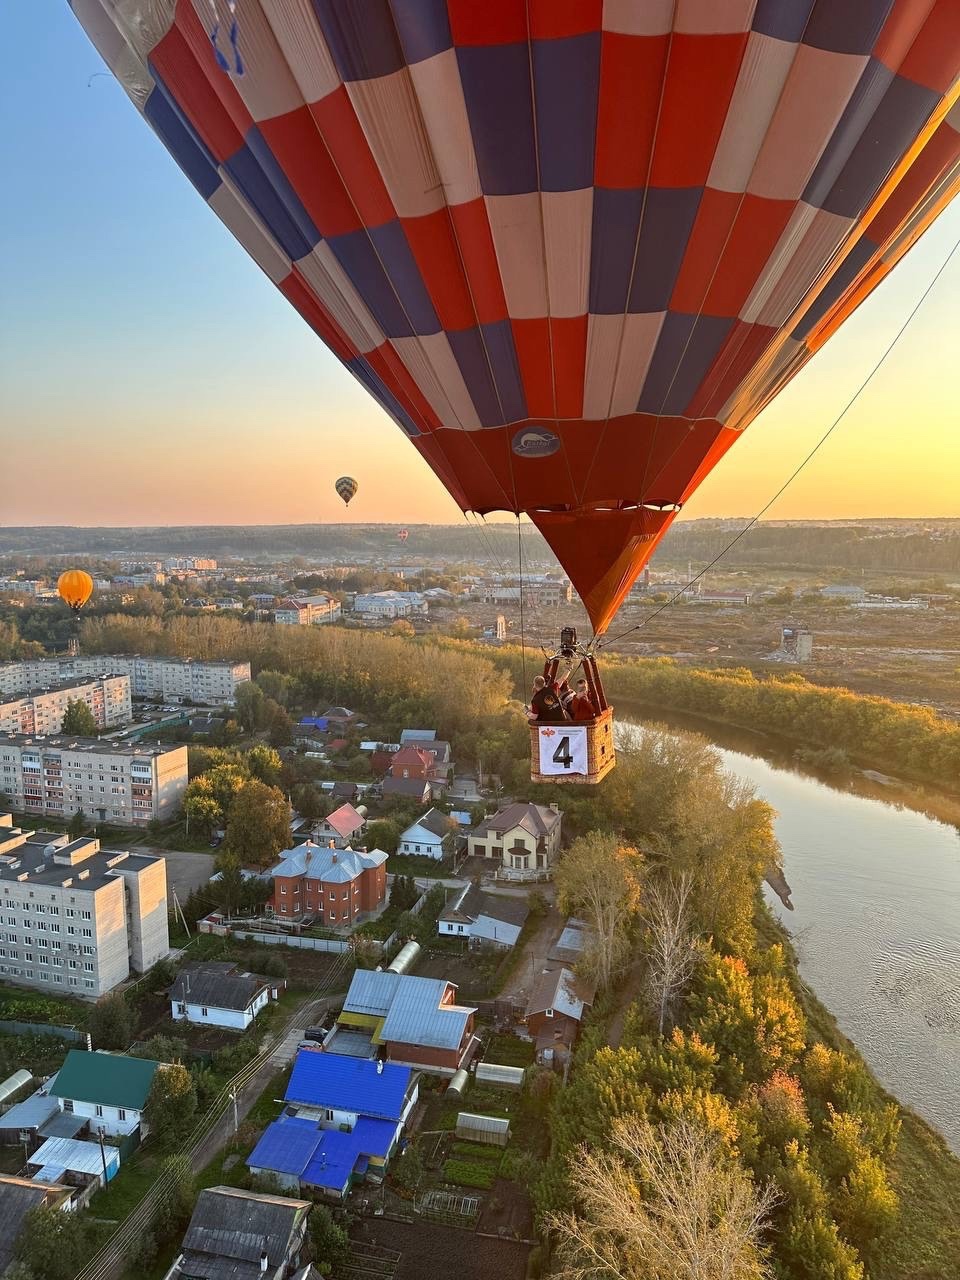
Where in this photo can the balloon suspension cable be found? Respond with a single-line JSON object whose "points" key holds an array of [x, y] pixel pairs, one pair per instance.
{"points": [[523, 638], [878, 364]]}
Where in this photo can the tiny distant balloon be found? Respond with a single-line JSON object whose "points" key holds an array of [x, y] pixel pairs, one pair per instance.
{"points": [[75, 588], [347, 487], [403, 535]]}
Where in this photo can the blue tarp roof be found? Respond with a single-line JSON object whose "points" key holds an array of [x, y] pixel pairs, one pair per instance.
{"points": [[286, 1146], [349, 1084], [315, 722]]}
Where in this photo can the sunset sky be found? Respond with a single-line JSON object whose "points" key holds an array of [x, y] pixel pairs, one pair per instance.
{"points": [[149, 374]]}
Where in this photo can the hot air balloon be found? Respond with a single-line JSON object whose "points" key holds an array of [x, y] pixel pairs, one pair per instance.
{"points": [[347, 487], [75, 587], [403, 535], [572, 250]]}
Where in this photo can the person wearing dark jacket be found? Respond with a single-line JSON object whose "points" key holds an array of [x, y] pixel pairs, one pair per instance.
{"points": [[545, 705]]}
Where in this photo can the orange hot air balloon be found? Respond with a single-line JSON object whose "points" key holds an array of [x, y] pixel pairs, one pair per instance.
{"points": [[573, 250], [75, 587]]}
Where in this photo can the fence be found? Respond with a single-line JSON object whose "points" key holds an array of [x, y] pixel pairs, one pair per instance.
{"points": [[216, 925], [42, 1029], [389, 943]]}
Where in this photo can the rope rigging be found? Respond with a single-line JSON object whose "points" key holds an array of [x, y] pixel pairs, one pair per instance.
{"points": [[878, 364]]}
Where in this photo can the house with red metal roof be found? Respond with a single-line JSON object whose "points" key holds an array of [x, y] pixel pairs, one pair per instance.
{"points": [[341, 828]]}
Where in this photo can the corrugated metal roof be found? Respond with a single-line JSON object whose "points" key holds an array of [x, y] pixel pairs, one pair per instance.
{"points": [[74, 1155], [229, 1229], [410, 1007], [64, 1124], [560, 990], [108, 1078], [349, 1084], [31, 1113], [285, 1146], [218, 990], [488, 929]]}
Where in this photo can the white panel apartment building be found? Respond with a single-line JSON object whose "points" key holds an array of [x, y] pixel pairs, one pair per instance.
{"points": [[126, 783], [41, 711], [163, 679], [75, 918]]}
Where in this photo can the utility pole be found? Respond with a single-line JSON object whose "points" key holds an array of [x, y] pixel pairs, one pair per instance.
{"points": [[236, 1118], [179, 909], [103, 1155]]}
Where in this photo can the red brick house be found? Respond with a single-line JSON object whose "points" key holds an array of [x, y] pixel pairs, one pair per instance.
{"points": [[557, 1005], [411, 762], [333, 886]]}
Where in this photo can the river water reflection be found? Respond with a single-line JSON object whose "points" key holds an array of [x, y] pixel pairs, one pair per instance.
{"points": [[876, 922]]}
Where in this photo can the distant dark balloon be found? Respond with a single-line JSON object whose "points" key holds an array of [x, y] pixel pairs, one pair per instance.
{"points": [[347, 487], [573, 250]]}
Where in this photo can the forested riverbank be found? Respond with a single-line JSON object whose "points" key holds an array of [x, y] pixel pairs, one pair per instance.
{"points": [[745, 1086]]}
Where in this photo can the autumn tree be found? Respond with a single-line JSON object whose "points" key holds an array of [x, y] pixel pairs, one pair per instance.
{"points": [[670, 952], [664, 1201], [258, 825], [172, 1103], [201, 808], [78, 719], [264, 764], [598, 878], [248, 703]]}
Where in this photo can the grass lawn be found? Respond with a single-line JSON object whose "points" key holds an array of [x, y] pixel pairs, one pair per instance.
{"points": [[121, 1196], [509, 1051]]}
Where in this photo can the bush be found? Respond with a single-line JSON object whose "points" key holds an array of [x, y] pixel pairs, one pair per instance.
{"points": [[470, 1173]]}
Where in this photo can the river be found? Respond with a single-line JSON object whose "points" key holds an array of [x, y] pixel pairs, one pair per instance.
{"points": [[876, 923]]}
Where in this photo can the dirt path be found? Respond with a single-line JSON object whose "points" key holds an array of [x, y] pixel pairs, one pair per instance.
{"points": [[531, 963], [628, 990]]}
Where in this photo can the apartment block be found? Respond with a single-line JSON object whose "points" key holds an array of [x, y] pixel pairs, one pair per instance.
{"points": [[41, 711], [305, 611], [163, 679], [128, 783], [76, 918]]}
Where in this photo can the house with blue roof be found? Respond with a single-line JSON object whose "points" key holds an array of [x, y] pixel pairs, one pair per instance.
{"points": [[343, 1121]]}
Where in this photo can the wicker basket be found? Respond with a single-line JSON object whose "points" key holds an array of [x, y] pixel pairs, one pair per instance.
{"points": [[601, 756]]}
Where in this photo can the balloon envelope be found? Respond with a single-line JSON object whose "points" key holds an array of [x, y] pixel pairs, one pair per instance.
{"points": [[571, 249], [347, 487], [75, 588]]}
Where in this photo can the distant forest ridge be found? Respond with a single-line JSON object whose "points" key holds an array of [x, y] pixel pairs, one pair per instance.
{"points": [[924, 546]]}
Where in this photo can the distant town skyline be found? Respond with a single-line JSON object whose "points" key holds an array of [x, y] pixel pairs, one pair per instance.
{"points": [[155, 377]]}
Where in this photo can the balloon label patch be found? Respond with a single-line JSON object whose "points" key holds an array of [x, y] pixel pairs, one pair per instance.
{"points": [[535, 442]]}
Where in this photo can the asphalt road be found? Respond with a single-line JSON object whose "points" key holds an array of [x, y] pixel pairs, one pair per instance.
{"points": [[185, 870]]}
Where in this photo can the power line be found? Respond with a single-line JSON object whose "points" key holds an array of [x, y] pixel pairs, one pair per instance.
{"points": [[793, 475]]}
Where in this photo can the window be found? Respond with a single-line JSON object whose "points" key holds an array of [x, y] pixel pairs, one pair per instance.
{"points": [[459, 928], [121, 1113], [88, 966], [86, 915], [549, 1013], [181, 1007], [204, 1013], [283, 888], [68, 1105], [99, 1109]]}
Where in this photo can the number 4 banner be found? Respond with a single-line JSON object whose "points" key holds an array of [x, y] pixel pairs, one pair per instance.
{"points": [[562, 749]]}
